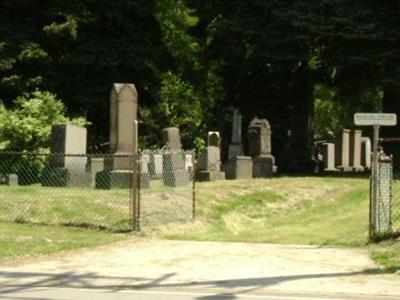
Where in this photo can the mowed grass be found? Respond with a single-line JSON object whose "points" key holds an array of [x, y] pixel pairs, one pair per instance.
{"points": [[82, 207], [307, 210], [304, 210], [26, 240]]}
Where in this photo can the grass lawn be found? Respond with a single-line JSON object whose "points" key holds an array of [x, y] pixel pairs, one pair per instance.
{"points": [[308, 210], [85, 207], [287, 210], [24, 240]]}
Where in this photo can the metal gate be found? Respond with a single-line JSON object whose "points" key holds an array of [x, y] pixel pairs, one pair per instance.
{"points": [[165, 188]]}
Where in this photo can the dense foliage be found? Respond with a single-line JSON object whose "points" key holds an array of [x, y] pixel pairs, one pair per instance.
{"points": [[307, 66], [27, 126]]}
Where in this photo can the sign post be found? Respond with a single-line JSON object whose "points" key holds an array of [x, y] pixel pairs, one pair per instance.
{"points": [[376, 120]]}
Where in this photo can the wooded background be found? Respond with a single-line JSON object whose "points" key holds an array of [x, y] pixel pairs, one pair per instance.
{"points": [[305, 65]]}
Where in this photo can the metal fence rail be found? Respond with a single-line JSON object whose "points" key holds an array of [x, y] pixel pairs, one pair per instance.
{"points": [[391, 147]]}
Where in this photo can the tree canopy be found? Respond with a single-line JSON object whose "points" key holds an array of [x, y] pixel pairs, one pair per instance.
{"points": [[307, 66]]}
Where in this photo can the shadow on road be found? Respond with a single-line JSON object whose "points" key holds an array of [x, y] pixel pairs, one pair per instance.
{"points": [[92, 280]]}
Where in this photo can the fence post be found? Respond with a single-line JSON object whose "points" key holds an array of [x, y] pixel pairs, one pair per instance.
{"points": [[194, 187], [139, 181], [134, 175]]}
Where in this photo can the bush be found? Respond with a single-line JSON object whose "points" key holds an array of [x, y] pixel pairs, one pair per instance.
{"points": [[27, 127]]}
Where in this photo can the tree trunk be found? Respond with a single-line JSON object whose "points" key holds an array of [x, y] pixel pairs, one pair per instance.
{"points": [[300, 151]]}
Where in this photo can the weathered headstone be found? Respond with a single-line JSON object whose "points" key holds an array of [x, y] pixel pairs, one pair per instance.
{"points": [[174, 171], [239, 167], [171, 138], [174, 159], [328, 155], [156, 165], [9, 179], [209, 165], [68, 157], [342, 149], [123, 114], [189, 162], [121, 167], [213, 139], [94, 165], [236, 146], [259, 135], [366, 151], [355, 150], [144, 171]]}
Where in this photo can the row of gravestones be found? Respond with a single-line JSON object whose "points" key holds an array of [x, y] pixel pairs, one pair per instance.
{"points": [[70, 166], [260, 163], [350, 152]]}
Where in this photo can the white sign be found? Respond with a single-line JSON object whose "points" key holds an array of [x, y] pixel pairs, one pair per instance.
{"points": [[377, 119]]}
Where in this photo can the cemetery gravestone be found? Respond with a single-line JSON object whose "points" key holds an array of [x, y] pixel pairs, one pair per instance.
{"points": [[144, 171], [171, 138], [120, 167], [259, 134], [9, 179], [366, 152], [328, 154], [355, 150], [123, 114], [240, 167], [236, 147], [174, 159], [342, 147], [94, 165], [68, 160], [209, 165], [156, 166], [213, 139]]}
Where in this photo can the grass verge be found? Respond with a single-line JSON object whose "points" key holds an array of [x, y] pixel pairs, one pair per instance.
{"points": [[25, 240], [315, 211]]}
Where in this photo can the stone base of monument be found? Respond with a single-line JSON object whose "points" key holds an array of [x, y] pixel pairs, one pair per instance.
{"points": [[358, 169], [344, 168], [62, 177], [176, 178], [263, 166], [210, 175], [9, 179], [235, 150], [119, 179], [55, 177], [116, 162], [326, 170], [239, 167]]}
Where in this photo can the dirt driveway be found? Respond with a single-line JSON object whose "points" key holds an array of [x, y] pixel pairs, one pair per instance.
{"points": [[185, 266]]}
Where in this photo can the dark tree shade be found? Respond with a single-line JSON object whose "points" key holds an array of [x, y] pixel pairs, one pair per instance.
{"points": [[77, 49]]}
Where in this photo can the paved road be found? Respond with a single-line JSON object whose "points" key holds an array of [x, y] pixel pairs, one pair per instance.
{"points": [[158, 269], [24, 293]]}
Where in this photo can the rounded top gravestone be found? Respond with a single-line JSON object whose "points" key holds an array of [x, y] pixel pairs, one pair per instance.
{"points": [[259, 135]]}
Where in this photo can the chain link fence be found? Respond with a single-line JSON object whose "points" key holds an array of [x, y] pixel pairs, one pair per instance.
{"points": [[167, 191], [103, 191], [73, 190], [391, 147]]}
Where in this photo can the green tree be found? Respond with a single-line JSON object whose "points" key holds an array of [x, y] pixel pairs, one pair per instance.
{"points": [[27, 127], [78, 49]]}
